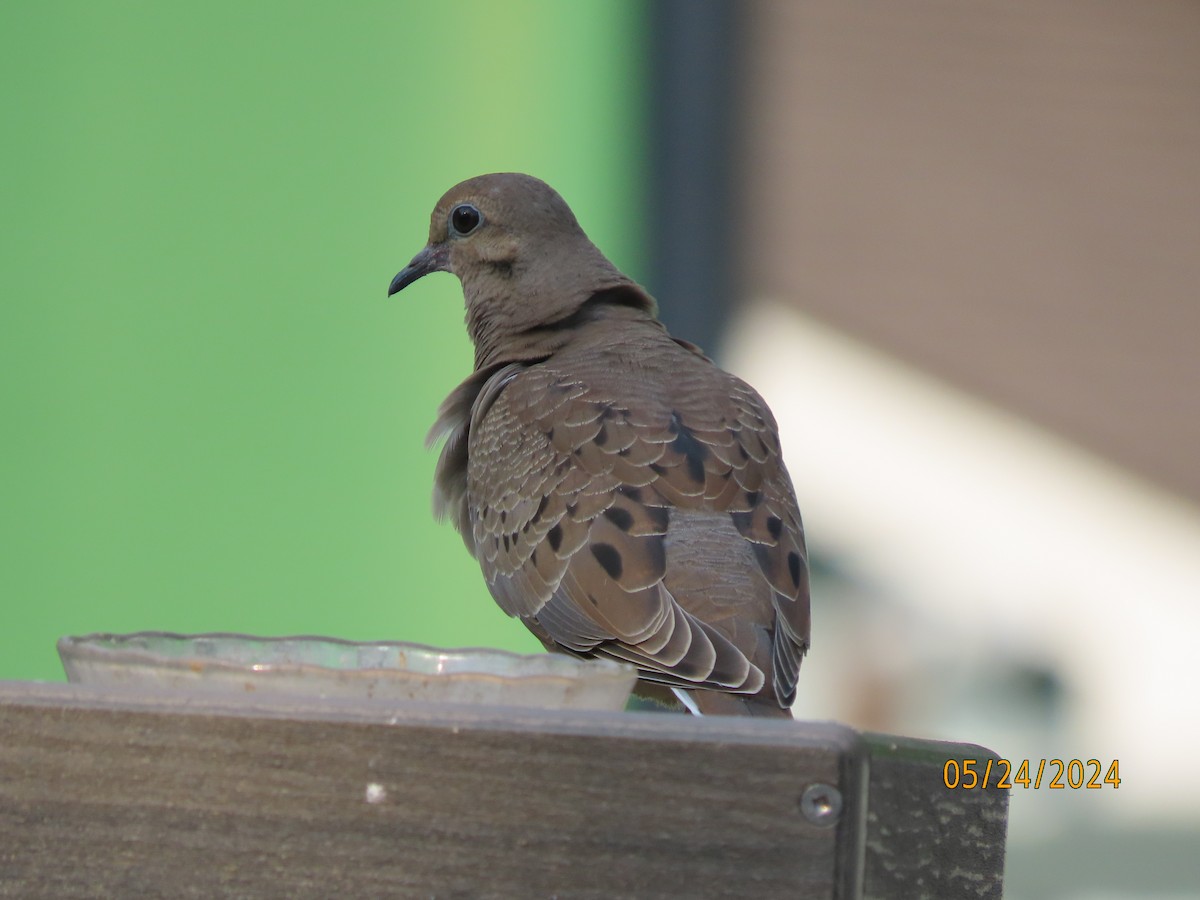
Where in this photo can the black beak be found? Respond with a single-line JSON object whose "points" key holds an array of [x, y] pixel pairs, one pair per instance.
{"points": [[432, 259]]}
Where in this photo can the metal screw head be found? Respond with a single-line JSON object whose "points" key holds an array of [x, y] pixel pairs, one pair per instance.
{"points": [[821, 804]]}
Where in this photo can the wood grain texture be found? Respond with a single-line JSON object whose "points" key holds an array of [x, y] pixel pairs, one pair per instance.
{"points": [[924, 840], [136, 795]]}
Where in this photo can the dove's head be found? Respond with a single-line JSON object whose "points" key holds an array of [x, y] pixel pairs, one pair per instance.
{"points": [[520, 254]]}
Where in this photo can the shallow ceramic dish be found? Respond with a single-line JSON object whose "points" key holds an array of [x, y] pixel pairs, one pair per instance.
{"points": [[371, 672]]}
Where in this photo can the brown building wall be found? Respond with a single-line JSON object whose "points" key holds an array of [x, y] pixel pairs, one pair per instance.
{"points": [[1005, 193]]}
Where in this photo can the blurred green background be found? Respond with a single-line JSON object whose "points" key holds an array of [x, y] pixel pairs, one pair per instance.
{"points": [[213, 417]]}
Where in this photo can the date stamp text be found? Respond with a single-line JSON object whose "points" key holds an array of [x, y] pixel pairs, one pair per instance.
{"points": [[1055, 774]]}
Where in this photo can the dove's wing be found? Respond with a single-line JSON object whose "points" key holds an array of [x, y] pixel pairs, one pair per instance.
{"points": [[618, 521]]}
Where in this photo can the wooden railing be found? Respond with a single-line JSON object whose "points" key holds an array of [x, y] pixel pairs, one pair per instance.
{"points": [[106, 794]]}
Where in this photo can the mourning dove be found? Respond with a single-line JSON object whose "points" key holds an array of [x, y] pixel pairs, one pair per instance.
{"points": [[625, 497]]}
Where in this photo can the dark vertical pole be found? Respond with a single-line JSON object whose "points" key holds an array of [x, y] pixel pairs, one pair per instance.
{"points": [[694, 50]]}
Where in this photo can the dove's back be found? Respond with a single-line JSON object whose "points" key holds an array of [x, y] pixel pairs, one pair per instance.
{"points": [[626, 498]]}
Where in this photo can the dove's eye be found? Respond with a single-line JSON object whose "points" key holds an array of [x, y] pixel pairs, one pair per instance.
{"points": [[464, 219]]}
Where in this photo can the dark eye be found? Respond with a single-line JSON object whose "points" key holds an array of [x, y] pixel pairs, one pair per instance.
{"points": [[464, 219]]}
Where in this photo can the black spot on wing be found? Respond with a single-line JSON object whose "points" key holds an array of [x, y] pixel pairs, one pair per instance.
{"points": [[622, 518], [775, 526], [794, 567], [609, 558], [554, 536]]}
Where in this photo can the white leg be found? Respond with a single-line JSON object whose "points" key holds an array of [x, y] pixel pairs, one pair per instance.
{"points": [[686, 699]]}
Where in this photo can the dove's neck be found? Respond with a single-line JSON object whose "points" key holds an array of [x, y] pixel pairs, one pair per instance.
{"points": [[500, 339]]}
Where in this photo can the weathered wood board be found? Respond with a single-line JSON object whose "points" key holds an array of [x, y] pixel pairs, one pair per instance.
{"points": [[124, 795]]}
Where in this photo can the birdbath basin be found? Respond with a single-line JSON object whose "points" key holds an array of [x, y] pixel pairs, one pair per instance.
{"points": [[374, 672]]}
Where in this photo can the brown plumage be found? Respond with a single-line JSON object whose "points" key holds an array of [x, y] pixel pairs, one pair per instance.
{"points": [[625, 497]]}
